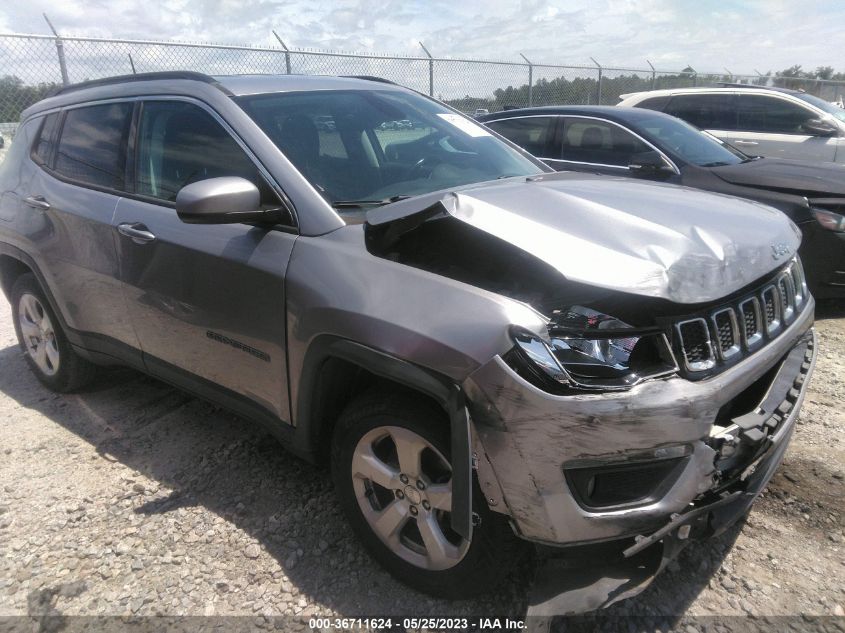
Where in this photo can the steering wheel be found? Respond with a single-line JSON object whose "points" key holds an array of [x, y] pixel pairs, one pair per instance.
{"points": [[416, 169], [677, 142]]}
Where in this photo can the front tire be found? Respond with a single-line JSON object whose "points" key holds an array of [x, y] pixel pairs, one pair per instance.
{"points": [[47, 350], [392, 474]]}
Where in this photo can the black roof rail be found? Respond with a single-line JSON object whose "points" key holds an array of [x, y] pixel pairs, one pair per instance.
{"points": [[372, 78], [725, 84], [735, 84], [119, 79]]}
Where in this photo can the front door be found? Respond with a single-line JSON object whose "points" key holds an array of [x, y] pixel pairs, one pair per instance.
{"points": [[207, 301], [772, 126], [586, 143]]}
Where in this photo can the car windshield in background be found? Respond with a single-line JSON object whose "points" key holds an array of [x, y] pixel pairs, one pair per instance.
{"points": [[688, 143], [821, 104], [367, 147]]}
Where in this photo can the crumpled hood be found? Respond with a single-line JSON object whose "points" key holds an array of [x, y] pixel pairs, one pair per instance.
{"points": [[795, 176], [655, 240]]}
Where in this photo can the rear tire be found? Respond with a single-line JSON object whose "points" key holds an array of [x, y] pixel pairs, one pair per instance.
{"points": [[404, 523], [47, 351]]}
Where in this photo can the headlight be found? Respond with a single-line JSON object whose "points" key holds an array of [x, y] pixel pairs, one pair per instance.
{"points": [[829, 220], [591, 350]]}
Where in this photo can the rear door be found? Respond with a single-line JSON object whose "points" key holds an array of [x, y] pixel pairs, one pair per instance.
{"points": [[714, 112], [207, 301], [71, 202], [770, 125]]}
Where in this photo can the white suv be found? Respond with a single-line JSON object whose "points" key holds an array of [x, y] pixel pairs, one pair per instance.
{"points": [[760, 121]]}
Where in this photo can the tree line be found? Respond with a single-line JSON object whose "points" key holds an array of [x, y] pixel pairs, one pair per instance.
{"points": [[16, 95], [585, 90]]}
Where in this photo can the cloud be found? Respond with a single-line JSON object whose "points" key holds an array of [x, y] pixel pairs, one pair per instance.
{"points": [[706, 34]]}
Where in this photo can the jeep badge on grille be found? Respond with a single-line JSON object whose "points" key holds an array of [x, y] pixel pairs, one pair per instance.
{"points": [[779, 250]]}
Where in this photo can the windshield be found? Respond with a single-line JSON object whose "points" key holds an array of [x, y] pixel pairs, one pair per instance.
{"points": [[367, 147], [821, 104], [688, 143]]}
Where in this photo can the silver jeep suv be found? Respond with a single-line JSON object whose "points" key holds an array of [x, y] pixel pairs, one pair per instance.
{"points": [[486, 354]]}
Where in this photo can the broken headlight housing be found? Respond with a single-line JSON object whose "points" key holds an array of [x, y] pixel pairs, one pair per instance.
{"points": [[587, 349]]}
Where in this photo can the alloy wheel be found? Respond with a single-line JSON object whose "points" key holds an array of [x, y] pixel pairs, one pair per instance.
{"points": [[404, 489], [38, 334]]}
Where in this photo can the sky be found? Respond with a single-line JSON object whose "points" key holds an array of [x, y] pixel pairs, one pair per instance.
{"points": [[709, 35]]}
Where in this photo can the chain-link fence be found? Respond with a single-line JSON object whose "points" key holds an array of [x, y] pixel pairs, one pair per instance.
{"points": [[33, 65]]}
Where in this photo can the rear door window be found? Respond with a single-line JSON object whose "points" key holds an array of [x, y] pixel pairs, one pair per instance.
{"points": [[42, 151], [654, 103], [92, 147], [532, 134], [760, 113], [705, 111], [599, 142]]}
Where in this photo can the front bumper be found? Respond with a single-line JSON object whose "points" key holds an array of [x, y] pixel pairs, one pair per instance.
{"points": [[625, 568], [527, 437]]}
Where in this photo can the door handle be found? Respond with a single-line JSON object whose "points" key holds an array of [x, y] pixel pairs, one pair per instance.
{"points": [[741, 142], [37, 202], [137, 232]]}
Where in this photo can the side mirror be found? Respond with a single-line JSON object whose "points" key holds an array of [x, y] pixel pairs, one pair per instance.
{"points": [[649, 164], [819, 127], [225, 200]]}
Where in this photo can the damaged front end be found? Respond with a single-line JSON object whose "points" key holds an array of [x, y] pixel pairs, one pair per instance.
{"points": [[749, 450], [659, 395]]}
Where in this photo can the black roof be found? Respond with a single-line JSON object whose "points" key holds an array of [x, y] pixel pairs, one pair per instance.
{"points": [[121, 79], [173, 74], [725, 84], [613, 113]]}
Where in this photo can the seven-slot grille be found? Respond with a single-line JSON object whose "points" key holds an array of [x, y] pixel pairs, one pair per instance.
{"points": [[741, 327]]}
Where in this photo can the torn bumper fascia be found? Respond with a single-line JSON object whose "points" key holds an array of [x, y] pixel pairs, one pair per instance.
{"points": [[564, 588], [527, 437]]}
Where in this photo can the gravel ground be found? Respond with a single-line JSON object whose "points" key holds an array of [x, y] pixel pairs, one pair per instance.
{"points": [[135, 498]]}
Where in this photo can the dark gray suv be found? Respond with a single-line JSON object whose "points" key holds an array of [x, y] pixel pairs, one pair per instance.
{"points": [[485, 353]]}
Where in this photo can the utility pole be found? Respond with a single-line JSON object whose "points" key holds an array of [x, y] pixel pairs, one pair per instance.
{"points": [[430, 71], [694, 75], [598, 102], [60, 50], [530, 80], [287, 52], [653, 74]]}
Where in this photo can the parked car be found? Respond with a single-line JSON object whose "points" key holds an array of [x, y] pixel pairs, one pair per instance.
{"points": [[481, 112], [773, 122], [486, 354], [645, 144]]}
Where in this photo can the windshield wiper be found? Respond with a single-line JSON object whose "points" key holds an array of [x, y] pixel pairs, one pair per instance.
{"points": [[718, 163], [355, 204]]}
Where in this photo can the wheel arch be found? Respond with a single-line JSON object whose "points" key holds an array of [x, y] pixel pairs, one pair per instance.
{"points": [[15, 262], [10, 269], [335, 370]]}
